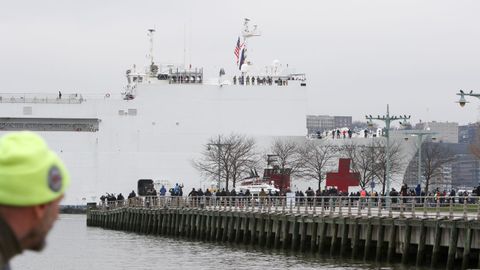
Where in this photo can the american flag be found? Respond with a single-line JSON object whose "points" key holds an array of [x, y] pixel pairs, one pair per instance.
{"points": [[237, 50]]}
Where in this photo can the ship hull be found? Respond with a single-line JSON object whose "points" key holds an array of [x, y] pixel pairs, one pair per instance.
{"points": [[159, 133]]}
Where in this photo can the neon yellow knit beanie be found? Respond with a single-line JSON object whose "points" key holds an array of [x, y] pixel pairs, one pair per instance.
{"points": [[30, 173]]}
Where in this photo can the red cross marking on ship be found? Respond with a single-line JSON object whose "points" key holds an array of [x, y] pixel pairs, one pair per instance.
{"points": [[343, 178]]}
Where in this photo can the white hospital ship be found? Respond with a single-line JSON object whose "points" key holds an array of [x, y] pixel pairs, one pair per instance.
{"points": [[158, 124]]}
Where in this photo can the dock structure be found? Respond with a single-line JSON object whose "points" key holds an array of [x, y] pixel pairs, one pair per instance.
{"points": [[422, 231]]}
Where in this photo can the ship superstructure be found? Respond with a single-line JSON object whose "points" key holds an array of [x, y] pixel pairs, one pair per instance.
{"points": [[156, 126]]}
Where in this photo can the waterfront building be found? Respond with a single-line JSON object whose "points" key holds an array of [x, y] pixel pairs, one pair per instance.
{"points": [[320, 123], [468, 133], [446, 132], [461, 174]]}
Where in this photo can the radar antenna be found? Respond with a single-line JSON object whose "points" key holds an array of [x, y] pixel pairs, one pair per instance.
{"points": [[246, 33]]}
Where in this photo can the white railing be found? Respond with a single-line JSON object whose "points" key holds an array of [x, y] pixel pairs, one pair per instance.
{"points": [[409, 206], [41, 98]]}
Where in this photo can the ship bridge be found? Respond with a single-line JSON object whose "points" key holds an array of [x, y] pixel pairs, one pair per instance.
{"points": [[169, 74]]}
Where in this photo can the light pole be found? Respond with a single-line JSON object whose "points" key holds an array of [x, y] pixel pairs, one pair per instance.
{"points": [[420, 134], [462, 101], [219, 146], [387, 119]]}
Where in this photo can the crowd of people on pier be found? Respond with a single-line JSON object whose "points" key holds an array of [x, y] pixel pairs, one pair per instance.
{"points": [[405, 194]]}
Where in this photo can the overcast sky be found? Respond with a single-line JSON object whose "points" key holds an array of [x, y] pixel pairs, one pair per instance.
{"points": [[358, 55]]}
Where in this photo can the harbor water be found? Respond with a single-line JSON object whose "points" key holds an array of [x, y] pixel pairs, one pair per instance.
{"points": [[73, 245]]}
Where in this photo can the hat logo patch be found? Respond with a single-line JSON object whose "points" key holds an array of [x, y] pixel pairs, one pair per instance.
{"points": [[54, 179]]}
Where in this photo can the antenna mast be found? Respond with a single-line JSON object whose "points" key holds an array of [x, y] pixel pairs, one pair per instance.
{"points": [[150, 34], [247, 33]]}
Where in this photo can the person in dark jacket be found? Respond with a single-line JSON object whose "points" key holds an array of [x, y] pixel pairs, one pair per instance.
{"points": [[132, 194]]}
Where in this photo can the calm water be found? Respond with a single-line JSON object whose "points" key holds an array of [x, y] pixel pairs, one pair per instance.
{"points": [[72, 245]]}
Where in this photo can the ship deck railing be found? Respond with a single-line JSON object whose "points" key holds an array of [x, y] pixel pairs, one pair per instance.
{"points": [[380, 206], [41, 98]]}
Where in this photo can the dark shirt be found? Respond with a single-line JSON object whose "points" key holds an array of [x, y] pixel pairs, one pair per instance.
{"points": [[9, 245]]}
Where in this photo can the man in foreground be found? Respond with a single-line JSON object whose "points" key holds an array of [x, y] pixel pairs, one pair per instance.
{"points": [[32, 183]]}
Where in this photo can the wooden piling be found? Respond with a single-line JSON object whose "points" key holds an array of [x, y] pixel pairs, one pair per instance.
{"points": [[269, 229], [276, 227], [452, 247], [323, 236], [368, 239], [355, 237], [344, 237], [285, 228], [380, 238], [406, 242], [467, 245], [392, 236], [295, 232], [436, 244], [333, 242], [421, 244]]}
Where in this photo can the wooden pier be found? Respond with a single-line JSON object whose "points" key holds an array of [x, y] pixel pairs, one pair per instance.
{"points": [[439, 239]]}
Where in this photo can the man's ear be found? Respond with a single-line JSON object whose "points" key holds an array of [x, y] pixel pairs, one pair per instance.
{"points": [[39, 211]]}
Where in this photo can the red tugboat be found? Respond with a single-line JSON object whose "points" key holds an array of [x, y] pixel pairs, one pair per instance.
{"points": [[274, 179]]}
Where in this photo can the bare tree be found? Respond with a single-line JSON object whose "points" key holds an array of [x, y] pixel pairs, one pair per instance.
{"points": [[363, 161], [241, 155], [316, 158], [289, 156], [434, 157], [227, 158], [395, 157]]}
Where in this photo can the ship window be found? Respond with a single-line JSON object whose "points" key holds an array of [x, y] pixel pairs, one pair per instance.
{"points": [[132, 111], [121, 112], [162, 77]]}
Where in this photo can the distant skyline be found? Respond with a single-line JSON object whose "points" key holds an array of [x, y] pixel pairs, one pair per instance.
{"points": [[358, 55]]}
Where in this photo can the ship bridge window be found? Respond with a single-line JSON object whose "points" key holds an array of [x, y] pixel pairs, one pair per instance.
{"points": [[162, 77]]}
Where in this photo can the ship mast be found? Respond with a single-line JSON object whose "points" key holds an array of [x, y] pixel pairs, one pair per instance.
{"points": [[248, 33], [151, 32]]}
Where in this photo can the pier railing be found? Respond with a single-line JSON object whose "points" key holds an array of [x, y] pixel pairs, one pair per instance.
{"points": [[408, 206]]}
